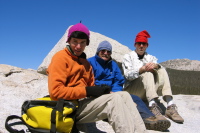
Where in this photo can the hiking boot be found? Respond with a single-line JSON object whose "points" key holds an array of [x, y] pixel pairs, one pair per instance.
{"points": [[171, 112], [155, 109], [154, 123]]}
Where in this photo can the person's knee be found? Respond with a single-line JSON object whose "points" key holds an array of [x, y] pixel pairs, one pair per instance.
{"points": [[147, 75], [122, 96], [125, 97], [122, 93], [162, 71]]}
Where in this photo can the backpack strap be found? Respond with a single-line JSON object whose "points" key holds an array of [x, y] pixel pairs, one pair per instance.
{"points": [[59, 107], [8, 126]]}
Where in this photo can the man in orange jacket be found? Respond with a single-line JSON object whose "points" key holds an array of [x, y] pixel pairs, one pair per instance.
{"points": [[70, 77]]}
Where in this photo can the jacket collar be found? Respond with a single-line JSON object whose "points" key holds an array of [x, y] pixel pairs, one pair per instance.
{"points": [[143, 56], [70, 52], [101, 61]]}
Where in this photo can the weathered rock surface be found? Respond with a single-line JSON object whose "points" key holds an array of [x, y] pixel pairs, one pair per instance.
{"points": [[18, 85], [118, 50], [182, 64]]}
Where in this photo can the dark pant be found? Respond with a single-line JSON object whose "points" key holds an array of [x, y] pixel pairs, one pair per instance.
{"points": [[142, 108]]}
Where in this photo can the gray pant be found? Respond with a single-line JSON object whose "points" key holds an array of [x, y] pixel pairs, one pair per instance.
{"points": [[118, 108], [149, 85]]}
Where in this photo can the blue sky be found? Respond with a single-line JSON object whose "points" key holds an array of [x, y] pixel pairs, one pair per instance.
{"points": [[29, 29]]}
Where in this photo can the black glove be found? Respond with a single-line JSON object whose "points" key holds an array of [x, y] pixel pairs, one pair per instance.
{"points": [[97, 91]]}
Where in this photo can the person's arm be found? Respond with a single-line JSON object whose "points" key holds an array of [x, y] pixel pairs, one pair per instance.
{"points": [[151, 65], [130, 67], [142, 69], [118, 81]]}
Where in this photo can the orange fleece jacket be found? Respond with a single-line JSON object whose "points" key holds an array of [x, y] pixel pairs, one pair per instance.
{"points": [[68, 75]]}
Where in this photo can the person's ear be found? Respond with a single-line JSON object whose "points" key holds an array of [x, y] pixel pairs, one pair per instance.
{"points": [[68, 40]]}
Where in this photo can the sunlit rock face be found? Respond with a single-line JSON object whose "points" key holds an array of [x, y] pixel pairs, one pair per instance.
{"points": [[118, 50]]}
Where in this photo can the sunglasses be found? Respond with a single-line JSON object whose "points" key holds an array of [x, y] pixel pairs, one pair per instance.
{"points": [[103, 51], [141, 43]]}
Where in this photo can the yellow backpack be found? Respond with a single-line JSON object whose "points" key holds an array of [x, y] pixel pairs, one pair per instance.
{"points": [[44, 115]]}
